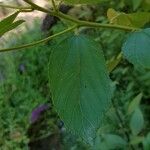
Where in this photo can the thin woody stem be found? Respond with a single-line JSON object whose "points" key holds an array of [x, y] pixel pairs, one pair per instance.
{"points": [[40, 41], [34, 6], [79, 22]]}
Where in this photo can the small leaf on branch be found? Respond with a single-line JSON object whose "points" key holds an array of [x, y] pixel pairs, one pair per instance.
{"points": [[10, 27], [8, 23], [8, 20]]}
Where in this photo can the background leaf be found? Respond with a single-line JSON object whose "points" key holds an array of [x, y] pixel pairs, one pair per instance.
{"points": [[134, 104], [146, 5], [109, 141], [136, 140], [146, 142], [136, 4], [136, 122], [112, 64], [7, 23], [114, 141], [137, 48], [80, 85], [138, 19]]}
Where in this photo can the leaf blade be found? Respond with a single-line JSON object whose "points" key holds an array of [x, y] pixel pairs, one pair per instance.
{"points": [[138, 19], [136, 49], [83, 1], [83, 101], [8, 20], [136, 122], [134, 104], [10, 27]]}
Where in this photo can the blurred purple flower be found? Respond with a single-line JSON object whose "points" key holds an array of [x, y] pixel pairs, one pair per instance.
{"points": [[37, 112]]}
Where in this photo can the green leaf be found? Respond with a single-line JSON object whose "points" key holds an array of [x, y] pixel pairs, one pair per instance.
{"points": [[109, 141], [146, 5], [138, 19], [136, 140], [134, 104], [114, 141], [112, 64], [146, 142], [136, 4], [136, 122], [7, 23], [10, 27], [136, 49], [80, 85], [8, 20], [83, 1], [119, 18]]}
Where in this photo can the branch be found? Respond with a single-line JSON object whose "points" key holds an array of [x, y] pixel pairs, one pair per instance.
{"points": [[67, 17], [36, 7], [93, 24], [40, 41], [80, 22], [54, 5]]}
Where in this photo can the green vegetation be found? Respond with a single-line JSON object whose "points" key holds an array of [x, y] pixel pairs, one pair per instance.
{"points": [[53, 74]]}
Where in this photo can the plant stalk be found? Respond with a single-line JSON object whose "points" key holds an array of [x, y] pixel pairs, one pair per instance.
{"points": [[67, 17], [79, 22], [40, 41]]}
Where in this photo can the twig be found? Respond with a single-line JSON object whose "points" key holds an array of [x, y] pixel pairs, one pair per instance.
{"points": [[80, 22], [40, 41]]}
